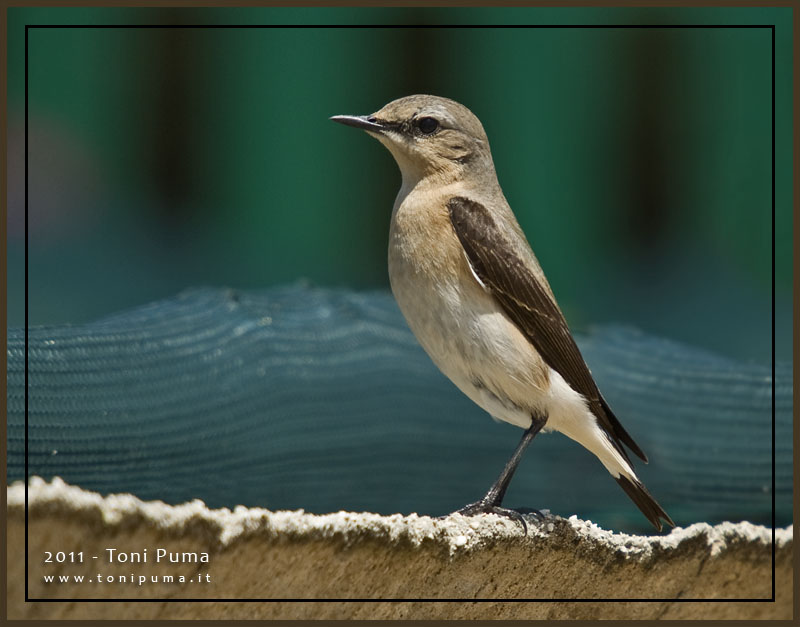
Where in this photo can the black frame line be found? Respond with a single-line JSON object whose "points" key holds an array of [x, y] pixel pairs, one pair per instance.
{"points": [[384, 26], [432, 600], [27, 473], [773, 312], [390, 26]]}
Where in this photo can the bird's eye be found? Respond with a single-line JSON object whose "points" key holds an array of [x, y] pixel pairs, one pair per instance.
{"points": [[428, 125]]}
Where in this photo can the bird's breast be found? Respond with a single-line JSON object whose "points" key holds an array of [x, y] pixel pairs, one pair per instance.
{"points": [[458, 323]]}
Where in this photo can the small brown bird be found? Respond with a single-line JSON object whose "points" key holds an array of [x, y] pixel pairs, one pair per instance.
{"points": [[474, 295]]}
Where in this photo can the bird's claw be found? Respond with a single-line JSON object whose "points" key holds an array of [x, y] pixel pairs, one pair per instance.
{"points": [[481, 507]]}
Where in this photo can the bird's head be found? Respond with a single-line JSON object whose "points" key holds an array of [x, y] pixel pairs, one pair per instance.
{"points": [[428, 135]]}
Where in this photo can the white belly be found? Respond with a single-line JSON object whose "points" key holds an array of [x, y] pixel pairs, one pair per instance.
{"points": [[468, 336], [471, 340]]}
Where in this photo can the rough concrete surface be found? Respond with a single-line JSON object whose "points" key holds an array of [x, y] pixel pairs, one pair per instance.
{"points": [[367, 566]]}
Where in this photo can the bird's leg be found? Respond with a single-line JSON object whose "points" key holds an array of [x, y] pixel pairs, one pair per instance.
{"points": [[490, 504]]}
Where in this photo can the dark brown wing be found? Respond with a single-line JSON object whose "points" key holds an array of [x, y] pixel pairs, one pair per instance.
{"points": [[530, 307]]}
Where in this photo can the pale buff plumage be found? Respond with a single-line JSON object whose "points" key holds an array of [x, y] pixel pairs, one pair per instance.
{"points": [[457, 318]]}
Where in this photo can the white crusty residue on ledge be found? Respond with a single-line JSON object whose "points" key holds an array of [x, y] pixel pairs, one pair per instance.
{"points": [[456, 532]]}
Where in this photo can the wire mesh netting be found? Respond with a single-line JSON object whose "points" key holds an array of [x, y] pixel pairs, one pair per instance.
{"points": [[321, 399]]}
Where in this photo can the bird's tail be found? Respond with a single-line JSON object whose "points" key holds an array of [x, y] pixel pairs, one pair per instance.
{"points": [[609, 453], [644, 501], [574, 419]]}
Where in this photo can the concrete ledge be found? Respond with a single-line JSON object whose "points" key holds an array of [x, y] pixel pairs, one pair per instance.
{"points": [[466, 567]]}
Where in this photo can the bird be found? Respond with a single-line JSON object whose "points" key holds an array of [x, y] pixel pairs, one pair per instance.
{"points": [[475, 296]]}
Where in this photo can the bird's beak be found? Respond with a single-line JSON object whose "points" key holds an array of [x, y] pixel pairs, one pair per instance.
{"points": [[366, 122]]}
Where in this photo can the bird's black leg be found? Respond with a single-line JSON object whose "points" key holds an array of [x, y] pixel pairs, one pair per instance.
{"points": [[490, 504]]}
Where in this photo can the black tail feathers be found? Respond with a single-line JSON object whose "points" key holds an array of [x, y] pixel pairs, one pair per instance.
{"points": [[644, 501]]}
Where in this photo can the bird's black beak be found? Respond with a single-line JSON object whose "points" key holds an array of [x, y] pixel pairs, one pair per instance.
{"points": [[366, 122]]}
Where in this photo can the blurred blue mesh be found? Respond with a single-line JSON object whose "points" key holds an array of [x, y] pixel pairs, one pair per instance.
{"points": [[322, 399]]}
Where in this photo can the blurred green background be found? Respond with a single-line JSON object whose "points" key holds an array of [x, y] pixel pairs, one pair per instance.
{"points": [[638, 160]]}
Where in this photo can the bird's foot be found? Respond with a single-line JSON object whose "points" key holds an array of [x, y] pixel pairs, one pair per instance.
{"points": [[485, 507]]}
